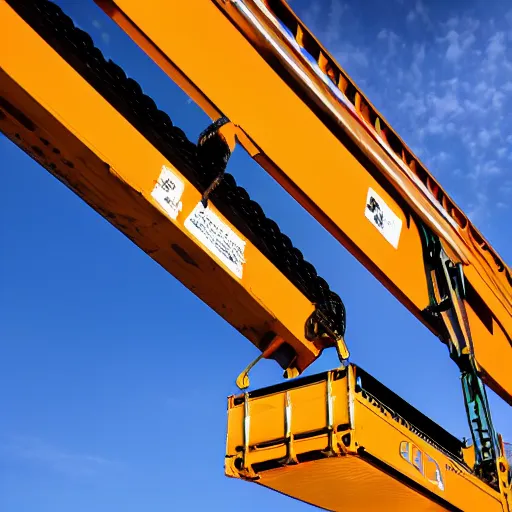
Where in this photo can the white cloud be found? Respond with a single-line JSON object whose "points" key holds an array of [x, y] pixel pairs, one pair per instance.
{"points": [[414, 104], [454, 50], [444, 84], [445, 106], [352, 55], [459, 38], [497, 100], [328, 25], [484, 137], [419, 53], [334, 25], [477, 210], [391, 40], [419, 12], [36, 451], [105, 36], [496, 46], [501, 152]]}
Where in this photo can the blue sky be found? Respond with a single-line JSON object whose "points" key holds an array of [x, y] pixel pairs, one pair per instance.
{"points": [[115, 377]]}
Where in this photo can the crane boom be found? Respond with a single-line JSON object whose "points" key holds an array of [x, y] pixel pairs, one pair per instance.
{"points": [[126, 188], [302, 118], [321, 139]]}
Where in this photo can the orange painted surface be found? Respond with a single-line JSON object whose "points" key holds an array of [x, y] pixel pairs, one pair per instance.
{"points": [[329, 169], [118, 184], [376, 462], [302, 426]]}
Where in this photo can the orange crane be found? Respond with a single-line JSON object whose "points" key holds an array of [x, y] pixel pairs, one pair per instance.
{"points": [[174, 199]]}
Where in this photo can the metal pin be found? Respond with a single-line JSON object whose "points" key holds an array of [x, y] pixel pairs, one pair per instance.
{"points": [[290, 453], [330, 416], [247, 426], [351, 390]]}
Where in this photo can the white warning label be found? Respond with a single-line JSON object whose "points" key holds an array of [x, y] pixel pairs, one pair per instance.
{"points": [[383, 218], [168, 191], [217, 237]]}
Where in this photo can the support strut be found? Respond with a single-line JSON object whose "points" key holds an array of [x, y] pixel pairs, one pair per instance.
{"points": [[447, 309]]}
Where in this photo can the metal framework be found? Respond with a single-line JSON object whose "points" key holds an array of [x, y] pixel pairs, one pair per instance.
{"points": [[306, 123]]}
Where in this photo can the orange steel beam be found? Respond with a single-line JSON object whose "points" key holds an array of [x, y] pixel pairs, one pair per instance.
{"points": [[54, 115], [329, 164]]}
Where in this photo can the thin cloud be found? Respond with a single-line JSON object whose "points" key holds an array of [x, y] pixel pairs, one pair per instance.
{"points": [[418, 13], [328, 24], [459, 37], [35, 451], [478, 210], [105, 36], [446, 90]]}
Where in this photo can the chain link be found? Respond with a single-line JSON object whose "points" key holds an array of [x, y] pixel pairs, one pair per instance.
{"points": [[126, 95]]}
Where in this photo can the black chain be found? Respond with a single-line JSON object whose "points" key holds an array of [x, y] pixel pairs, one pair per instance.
{"points": [[126, 96]]}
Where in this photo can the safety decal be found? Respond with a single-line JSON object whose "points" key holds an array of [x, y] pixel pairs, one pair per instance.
{"points": [[168, 191], [217, 237], [383, 218]]}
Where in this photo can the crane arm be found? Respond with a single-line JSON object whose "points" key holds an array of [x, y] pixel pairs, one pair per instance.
{"points": [[174, 199], [151, 192], [301, 117]]}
